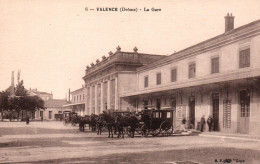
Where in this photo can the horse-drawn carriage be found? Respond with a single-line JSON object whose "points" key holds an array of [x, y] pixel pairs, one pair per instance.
{"points": [[156, 122], [70, 118]]}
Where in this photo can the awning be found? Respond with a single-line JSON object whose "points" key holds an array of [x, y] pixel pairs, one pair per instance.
{"points": [[218, 78]]}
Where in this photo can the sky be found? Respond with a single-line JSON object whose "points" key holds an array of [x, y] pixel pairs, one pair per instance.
{"points": [[52, 41]]}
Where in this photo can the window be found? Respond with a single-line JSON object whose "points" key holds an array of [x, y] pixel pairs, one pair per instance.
{"points": [[83, 96], [245, 103], [215, 65], [244, 58], [158, 78], [192, 70], [158, 104], [146, 81], [173, 75]]}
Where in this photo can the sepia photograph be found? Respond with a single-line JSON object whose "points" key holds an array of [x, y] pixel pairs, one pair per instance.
{"points": [[130, 82]]}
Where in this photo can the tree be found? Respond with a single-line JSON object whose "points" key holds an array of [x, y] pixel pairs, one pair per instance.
{"points": [[4, 103], [17, 104], [34, 103], [19, 101], [20, 90]]}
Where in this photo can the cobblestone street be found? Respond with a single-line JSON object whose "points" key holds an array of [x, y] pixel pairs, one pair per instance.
{"points": [[52, 142]]}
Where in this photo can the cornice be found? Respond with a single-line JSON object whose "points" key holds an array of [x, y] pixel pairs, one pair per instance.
{"points": [[110, 76], [208, 45], [78, 90]]}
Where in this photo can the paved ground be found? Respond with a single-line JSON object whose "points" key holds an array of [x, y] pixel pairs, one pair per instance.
{"points": [[52, 142]]}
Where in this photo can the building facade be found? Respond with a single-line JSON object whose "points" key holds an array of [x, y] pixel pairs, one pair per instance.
{"points": [[43, 95], [52, 107], [108, 78], [77, 102], [218, 77]]}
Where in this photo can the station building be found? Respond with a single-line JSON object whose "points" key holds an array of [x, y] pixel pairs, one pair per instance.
{"points": [[107, 79], [77, 102], [218, 77]]}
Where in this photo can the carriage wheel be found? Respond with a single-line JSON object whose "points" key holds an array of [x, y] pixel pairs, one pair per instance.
{"points": [[144, 131], [155, 132], [166, 128]]}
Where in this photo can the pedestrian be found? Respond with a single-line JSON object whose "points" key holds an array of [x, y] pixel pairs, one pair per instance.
{"points": [[41, 118], [210, 122], [183, 123], [202, 123], [27, 120]]}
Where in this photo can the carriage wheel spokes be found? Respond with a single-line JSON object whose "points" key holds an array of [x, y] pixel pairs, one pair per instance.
{"points": [[155, 132], [166, 128], [144, 131]]}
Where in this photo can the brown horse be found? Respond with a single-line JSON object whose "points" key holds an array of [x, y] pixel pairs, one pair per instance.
{"points": [[93, 122], [126, 122], [109, 122]]}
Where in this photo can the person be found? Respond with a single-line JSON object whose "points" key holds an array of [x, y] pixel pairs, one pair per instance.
{"points": [[41, 118], [202, 123], [183, 123], [210, 123], [27, 120]]}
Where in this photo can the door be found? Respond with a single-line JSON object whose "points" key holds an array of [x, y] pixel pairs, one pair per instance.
{"points": [[192, 112], [215, 106], [50, 114], [244, 111]]}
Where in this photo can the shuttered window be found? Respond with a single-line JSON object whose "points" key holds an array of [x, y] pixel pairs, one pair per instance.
{"points": [[146, 81], [192, 70], [215, 65], [244, 58], [158, 78], [173, 75]]}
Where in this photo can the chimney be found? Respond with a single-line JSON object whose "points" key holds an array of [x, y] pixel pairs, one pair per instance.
{"points": [[229, 22]]}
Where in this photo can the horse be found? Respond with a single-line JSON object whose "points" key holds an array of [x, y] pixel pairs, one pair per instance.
{"points": [[129, 122], [109, 121], [100, 121], [93, 122], [133, 123], [82, 122]]}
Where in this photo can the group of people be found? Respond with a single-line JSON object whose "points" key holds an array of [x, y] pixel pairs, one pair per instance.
{"points": [[202, 123]]}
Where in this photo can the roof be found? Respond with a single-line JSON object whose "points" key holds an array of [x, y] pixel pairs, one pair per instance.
{"points": [[55, 103], [78, 90], [34, 91], [207, 45], [133, 59]]}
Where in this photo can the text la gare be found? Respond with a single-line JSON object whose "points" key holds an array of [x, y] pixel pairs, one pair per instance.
{"points": [[152, 9]]}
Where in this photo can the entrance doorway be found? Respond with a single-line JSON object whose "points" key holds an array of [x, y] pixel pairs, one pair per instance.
{"points": [[192, 112], [215, 106], [244, 98], [50, 114]]}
